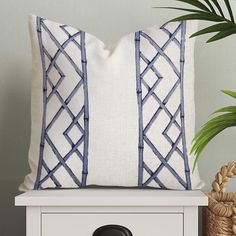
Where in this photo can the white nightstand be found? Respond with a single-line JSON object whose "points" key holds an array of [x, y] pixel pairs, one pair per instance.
{"points": [[81, 212]]}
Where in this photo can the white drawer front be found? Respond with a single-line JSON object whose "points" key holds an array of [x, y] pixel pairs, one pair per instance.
{"points": [[86, 224]]}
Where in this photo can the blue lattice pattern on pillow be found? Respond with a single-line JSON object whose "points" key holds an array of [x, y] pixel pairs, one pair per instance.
{"points": [[52, 90], [176, 118]]}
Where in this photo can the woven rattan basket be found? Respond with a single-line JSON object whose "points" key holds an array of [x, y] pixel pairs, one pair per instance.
{"points": [[220, 215]]}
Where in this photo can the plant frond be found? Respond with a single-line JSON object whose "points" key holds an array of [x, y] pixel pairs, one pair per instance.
{"points": [[195, 3], [181, 9], [199, 16], [229, 10], [229, 109], [222, 34], [218, 7], [210, 6], [200, 148], [214, 28], [230, 93]]}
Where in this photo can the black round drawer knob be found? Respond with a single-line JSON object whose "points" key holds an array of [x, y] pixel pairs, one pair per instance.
{"points": [[112, 230]]}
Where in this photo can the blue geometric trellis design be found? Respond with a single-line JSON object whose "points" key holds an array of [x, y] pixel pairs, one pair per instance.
{"points": [[161, 105], [51, 90]]}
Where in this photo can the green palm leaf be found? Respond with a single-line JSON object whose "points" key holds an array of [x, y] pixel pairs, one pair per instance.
{"points": [[181, 9], [218, 7], [210, 6], [222, 34], [230, 93], [229, 10], [199, 16], [195, 3], [229, 109], [214, 28]]}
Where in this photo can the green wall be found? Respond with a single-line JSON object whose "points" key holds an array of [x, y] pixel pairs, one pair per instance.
{"points": [[109, 20]]}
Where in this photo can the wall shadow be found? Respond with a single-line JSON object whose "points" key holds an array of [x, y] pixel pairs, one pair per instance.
{"points": [[14, 142]]}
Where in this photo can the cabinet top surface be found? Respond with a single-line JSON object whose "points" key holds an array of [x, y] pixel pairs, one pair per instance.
{"points": [[111, 197]]}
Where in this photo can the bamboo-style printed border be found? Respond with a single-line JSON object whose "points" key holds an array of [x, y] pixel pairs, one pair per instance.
{"points": [[144, 141], [80, 182]]}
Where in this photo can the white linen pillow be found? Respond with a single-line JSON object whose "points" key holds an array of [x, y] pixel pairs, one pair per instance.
{"points": [[120, 116]]}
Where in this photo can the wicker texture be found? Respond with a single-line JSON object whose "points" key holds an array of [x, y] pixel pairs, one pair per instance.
{"points": [[220, 215]]}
